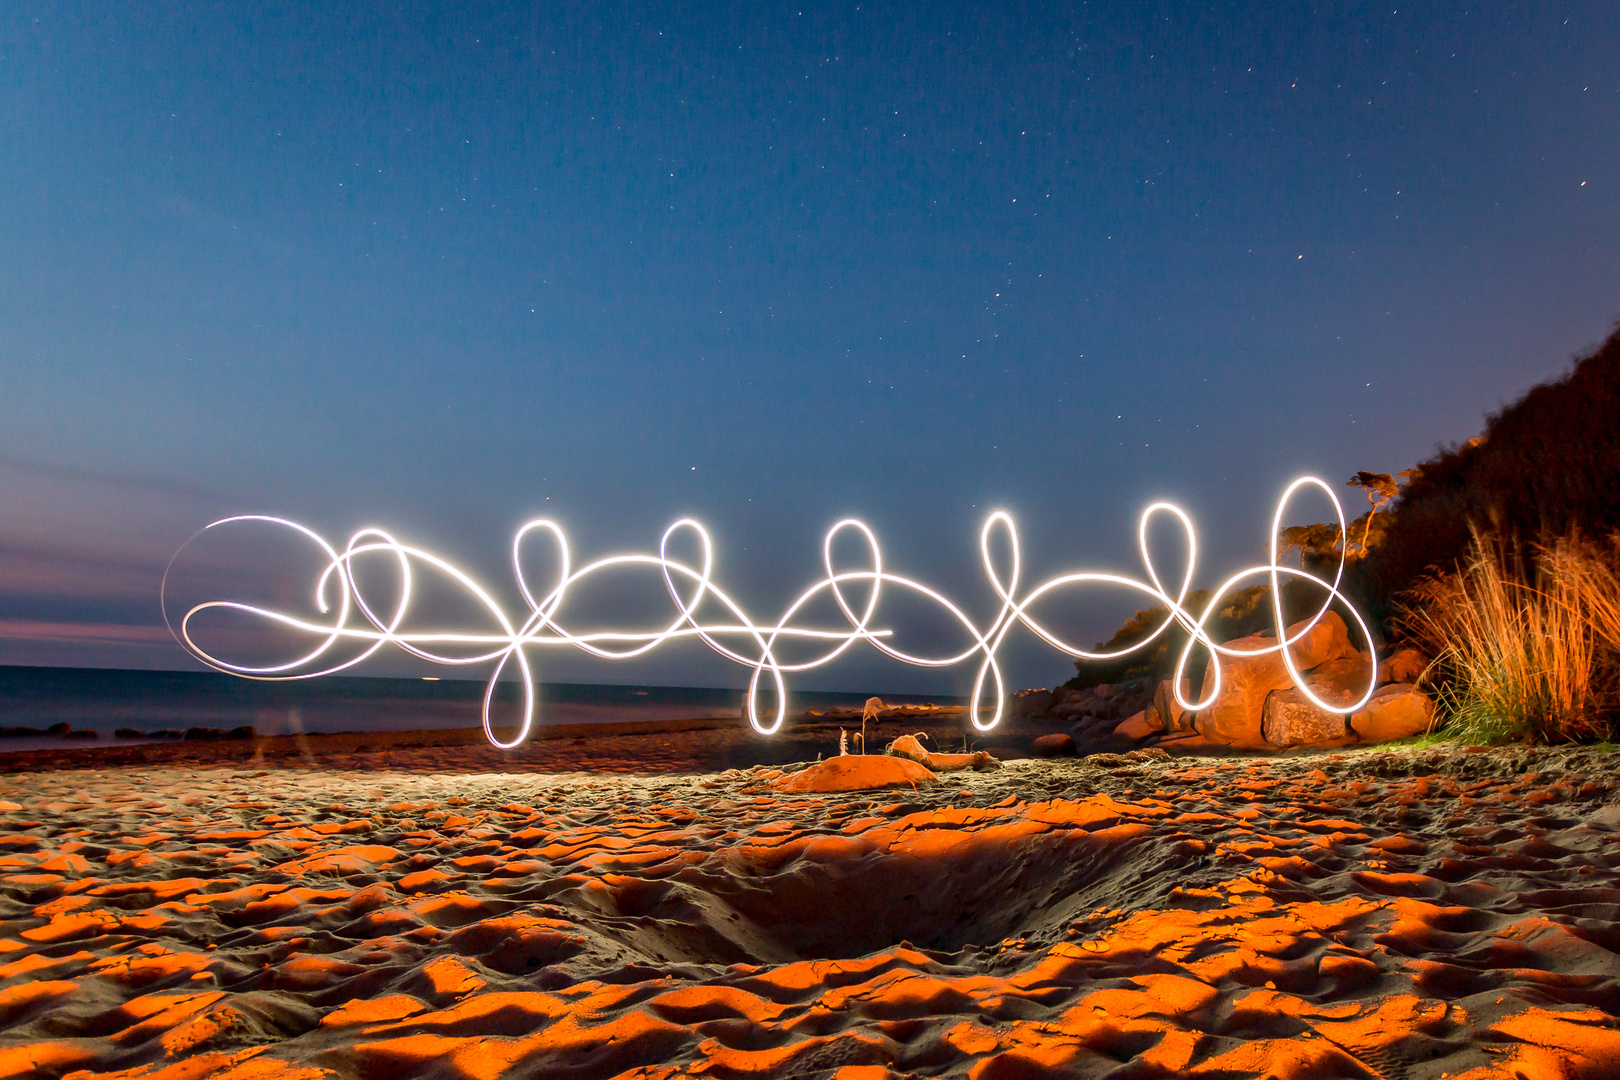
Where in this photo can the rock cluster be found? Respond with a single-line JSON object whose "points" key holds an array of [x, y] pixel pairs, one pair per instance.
{"points": [[1093, 715], [1258, 706]]}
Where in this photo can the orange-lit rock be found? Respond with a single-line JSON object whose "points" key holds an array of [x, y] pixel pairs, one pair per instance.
{"points": [[1235, 717], [1395, 712]]}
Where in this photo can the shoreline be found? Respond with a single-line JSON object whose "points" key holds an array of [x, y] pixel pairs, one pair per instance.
{"points": [[705, 744]]}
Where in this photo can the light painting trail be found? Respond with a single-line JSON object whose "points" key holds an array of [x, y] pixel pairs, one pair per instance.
{"points": [[754, 644]]}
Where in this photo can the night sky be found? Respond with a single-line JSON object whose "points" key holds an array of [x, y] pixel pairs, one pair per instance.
{"points": [[444, 270]]}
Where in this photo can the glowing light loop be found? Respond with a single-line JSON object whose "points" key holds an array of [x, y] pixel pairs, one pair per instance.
{"points": [[755, 644]]}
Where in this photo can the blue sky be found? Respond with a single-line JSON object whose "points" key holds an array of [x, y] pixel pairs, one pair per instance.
{"points": [[445, 267]]}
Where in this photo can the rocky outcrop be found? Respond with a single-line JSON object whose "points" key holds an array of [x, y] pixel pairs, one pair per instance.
{"points": [[1259, 707], [1397, 711], [1093, 714], [1035, 702], [1236, 716]]}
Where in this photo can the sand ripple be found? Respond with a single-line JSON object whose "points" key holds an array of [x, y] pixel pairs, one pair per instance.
{"points": [[1357, 915]]}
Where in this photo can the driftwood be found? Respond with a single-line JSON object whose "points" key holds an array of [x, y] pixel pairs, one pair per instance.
{"points": [[908, 746]]}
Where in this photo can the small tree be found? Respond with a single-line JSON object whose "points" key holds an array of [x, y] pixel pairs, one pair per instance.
{"points": [[1316, 543], [1379, 489]]}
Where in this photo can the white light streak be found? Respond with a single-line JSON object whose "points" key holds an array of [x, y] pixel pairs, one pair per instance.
{"points": [[745, 641]]}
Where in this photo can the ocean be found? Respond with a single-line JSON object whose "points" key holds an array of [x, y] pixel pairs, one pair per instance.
{"points": [[102, 700]]}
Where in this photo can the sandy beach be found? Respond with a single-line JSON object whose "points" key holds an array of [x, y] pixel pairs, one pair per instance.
{"points": [[416, 912]]}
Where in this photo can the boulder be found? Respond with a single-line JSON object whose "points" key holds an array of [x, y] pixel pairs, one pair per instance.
{"points": [[1235, 717], [1328, 640], [856, 772], [1171, 715], [1289, 719], [1403, 666], [1140, 725], [1397, 711], [1057, 744], [1344, 680]]}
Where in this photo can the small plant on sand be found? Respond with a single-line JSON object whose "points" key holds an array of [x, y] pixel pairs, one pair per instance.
{"points": [[873, 711], [1527, 644]]}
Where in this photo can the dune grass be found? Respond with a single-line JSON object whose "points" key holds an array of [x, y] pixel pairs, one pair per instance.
{"points": [[1527, 644]]}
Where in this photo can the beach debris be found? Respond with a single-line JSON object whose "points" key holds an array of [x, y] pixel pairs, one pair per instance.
{"points": [[872, 710], [911, 747]]}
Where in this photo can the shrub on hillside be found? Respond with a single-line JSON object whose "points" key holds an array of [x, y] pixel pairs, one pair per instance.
{"points": [[1546, 464]]}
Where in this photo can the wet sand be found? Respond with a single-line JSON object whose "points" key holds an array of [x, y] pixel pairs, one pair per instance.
{"points": [[420, 913], [705, 744]]}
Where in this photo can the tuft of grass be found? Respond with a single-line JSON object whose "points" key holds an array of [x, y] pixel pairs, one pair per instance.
{"points": [[1422, 741], [1527, 646]]}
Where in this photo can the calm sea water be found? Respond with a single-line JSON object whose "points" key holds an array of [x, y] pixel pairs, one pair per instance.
{"points": [[103, 700]]}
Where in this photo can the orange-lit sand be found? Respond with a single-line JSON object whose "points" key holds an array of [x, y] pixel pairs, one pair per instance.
{"points": [[1384, 915]]}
